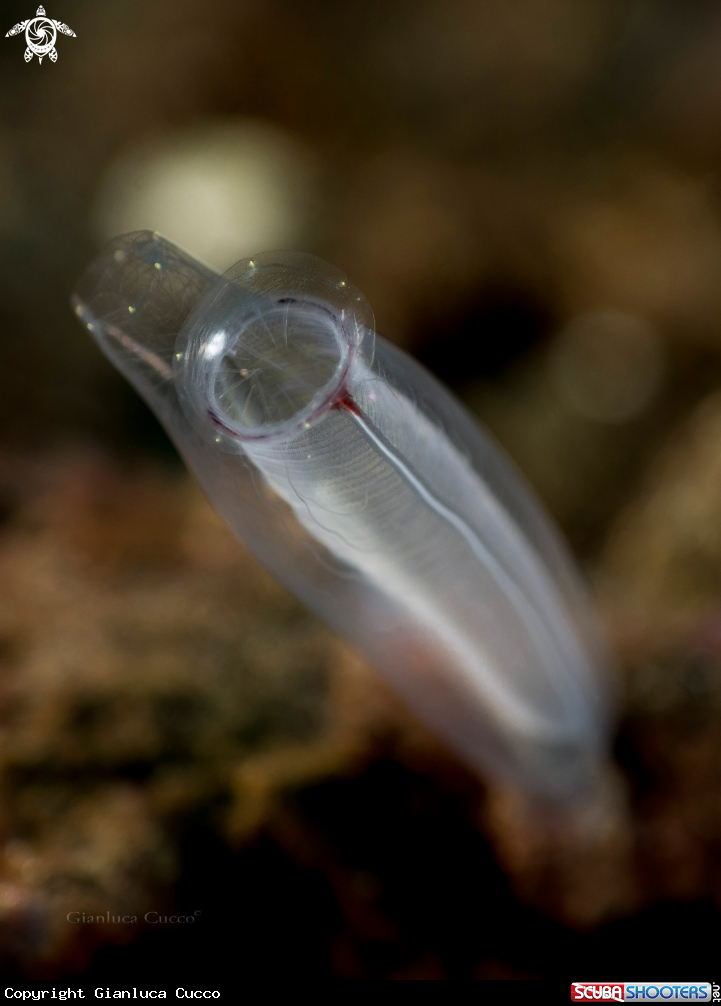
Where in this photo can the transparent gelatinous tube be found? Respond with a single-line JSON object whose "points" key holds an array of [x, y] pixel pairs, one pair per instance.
{"points": [[370, 493]]}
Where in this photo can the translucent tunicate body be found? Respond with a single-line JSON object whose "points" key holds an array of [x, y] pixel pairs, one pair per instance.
{"points": [[370, 493]]}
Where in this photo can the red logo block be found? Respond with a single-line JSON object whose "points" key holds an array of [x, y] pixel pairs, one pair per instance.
{"points": [[589, 992]]}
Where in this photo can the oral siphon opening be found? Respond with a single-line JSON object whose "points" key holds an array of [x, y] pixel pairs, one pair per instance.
{"points": [[282, 367]]}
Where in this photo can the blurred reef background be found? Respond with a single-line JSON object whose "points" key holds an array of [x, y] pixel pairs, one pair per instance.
{"points": [[529, 195]]}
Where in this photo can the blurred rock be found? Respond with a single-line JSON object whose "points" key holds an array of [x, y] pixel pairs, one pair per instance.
{"points": [[574, 863], [660, 587], [82, 865], [662, 563], [150, 669], [148, 666]]}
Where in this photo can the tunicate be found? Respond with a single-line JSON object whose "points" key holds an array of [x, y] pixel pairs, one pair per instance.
{"points": [[366, 488]]}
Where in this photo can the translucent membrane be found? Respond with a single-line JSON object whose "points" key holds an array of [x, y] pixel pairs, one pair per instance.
{"points": [[370, 492]]}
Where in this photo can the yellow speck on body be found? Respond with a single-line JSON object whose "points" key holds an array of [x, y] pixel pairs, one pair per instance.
{"points": [[91, 327], [158, 265], [131, 309], [78, 309]]}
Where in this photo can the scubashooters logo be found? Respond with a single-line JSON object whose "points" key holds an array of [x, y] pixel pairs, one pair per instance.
{"points": [[40, 34], [624, 992]]}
